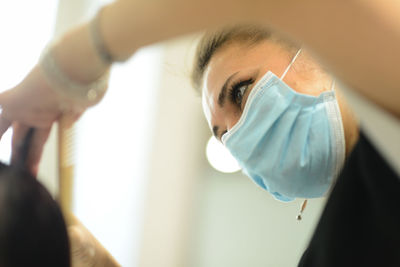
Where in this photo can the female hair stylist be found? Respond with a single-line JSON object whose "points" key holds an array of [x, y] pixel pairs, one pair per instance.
{"points": [[358, 40], [276, 109]]}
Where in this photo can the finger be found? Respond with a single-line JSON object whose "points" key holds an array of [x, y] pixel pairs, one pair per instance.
{"points": [[78, 115], [4, 125], [42, 122], [3, 97], [39, 118], [68, 119], [35, 151], [32, 119], [19, 133]]}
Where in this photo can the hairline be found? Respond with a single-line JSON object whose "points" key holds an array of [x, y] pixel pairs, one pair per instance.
{"points": [[214, 43]]}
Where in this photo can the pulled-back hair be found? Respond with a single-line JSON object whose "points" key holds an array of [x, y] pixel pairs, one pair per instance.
{"points": [[32, 228], [213, 41]]}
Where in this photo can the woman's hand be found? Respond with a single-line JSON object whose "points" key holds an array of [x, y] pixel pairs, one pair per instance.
{"points": [[33, 103], [36, 147]]}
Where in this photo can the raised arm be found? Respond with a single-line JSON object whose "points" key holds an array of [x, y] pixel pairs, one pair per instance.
{"points": [[358, 39]]}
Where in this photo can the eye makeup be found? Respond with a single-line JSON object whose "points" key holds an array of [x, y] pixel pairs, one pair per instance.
{"points": [[238, 90]]}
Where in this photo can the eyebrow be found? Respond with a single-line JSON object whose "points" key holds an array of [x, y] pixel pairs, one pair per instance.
{"points": [[222, 94]]}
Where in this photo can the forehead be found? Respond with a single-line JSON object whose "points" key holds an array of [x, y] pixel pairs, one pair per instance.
{"points": [[239, 56], [223, 63], [230, 59]]}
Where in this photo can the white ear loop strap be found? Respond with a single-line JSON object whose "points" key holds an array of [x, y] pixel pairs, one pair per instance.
{"points": [[333, 85], [290, 64], [304, 204]]}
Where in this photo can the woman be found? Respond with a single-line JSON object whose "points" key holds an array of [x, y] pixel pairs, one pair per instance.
{"points": [[232, 67], [336, 31], [282, 117], [292, 138]]}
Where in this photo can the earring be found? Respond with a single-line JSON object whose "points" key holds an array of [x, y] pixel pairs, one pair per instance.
{"points": [[303, 207]]}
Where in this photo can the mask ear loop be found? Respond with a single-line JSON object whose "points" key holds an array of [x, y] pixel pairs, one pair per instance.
{"points": [[333, 84], [304, 204], [290, 64]]}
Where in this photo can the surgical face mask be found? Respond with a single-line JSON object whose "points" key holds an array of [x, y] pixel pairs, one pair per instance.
{"points": [[289, 143]]}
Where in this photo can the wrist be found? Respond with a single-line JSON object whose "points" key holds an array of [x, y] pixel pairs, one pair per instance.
{"points": [[79, 93], [77, 66], [77, 57]]}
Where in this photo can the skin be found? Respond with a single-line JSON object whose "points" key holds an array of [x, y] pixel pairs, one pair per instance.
{"points": [[238, 62], [359, 41], [345, 35], [86, 250]]}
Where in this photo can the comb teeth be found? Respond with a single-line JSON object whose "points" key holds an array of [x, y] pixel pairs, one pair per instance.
{"points": [[67, 146], [66, 138]]}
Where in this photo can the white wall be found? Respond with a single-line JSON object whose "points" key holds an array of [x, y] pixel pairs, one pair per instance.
{"points": [[238, 224]]}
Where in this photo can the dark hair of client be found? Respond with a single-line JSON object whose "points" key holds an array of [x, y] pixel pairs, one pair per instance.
{"points": [[213, 41], [32, 228]]}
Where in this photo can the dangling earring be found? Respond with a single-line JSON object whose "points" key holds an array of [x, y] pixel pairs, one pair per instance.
{"points": [[303, 207]]}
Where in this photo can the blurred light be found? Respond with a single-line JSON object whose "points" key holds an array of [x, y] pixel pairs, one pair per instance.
{"points": [[220, 158]]}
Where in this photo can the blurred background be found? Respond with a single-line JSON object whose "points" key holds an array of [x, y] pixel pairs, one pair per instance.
{"points": [[144, 185]]}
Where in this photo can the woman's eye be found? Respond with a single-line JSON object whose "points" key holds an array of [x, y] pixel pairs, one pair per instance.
{"points": [[238, 90], [240, 93]]}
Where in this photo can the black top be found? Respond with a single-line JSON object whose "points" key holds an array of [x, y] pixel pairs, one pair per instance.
{"points": [[360, 224]]}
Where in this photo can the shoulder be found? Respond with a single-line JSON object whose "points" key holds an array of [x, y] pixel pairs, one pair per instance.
{"points": [[359, 224]]}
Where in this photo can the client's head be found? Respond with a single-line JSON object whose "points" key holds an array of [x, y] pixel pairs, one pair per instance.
{"points": [[32, 229]]}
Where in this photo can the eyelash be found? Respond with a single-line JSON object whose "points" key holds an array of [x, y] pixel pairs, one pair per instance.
{"points": [[235, 89]]}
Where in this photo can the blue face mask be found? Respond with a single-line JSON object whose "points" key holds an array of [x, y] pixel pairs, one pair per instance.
{"points": [[288, 143]]}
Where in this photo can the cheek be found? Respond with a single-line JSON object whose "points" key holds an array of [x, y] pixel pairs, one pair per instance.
{"points": [[310, 86]]}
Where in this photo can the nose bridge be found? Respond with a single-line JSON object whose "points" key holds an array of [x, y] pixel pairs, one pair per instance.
{"points": [[231, 122], [231, 118], [224, 117]]}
